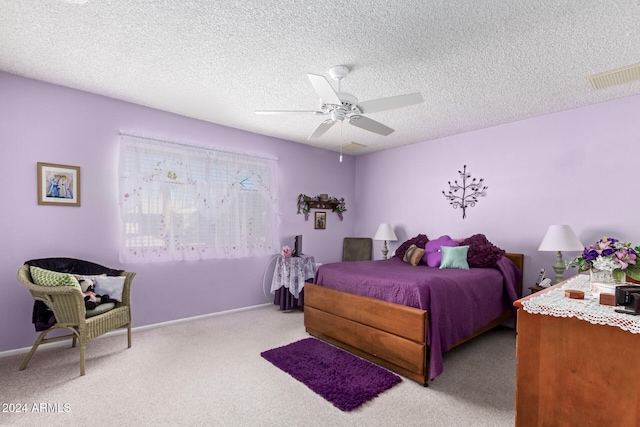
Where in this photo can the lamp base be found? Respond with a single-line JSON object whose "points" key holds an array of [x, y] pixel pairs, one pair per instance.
{"points": [[559, 268], [385, 251]]}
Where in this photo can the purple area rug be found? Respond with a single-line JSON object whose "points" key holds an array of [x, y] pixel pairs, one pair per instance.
{"points": [[340, 377]]}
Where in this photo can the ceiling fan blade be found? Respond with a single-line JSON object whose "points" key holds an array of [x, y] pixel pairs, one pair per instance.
{"points": [[324, 90], [321, 129], [266, 112], [370, 125], [390, 103]]}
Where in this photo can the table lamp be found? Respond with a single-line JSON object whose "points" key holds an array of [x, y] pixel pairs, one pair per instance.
{"points": [[385, 232], [560, 238]]}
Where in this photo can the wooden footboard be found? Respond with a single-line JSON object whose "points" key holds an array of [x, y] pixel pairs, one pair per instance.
{"points": [[392, 335]]}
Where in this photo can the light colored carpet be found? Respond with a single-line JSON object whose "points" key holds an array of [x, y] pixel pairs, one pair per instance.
{"points": [[209, 372]]}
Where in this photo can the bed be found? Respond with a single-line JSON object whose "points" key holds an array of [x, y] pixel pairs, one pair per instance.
{"points": [[403, 317]]}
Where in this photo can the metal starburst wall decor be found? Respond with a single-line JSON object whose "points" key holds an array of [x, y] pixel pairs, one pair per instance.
{"points": [[470, 192]]}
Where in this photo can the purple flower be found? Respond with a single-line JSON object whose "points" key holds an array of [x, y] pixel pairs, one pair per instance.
{"points": [[589, 255], [625, 257], [603, 247]]}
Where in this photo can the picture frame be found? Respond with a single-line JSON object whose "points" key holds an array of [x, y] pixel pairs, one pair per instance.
{"points": [[58, 185], [320, 222]]}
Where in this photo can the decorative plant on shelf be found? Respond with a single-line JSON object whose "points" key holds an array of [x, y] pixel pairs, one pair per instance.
{"points": [[610, 255], [305, 202], [303, 205]]}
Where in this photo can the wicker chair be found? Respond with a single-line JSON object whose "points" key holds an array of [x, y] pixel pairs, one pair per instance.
{"points": [[67, 304]]}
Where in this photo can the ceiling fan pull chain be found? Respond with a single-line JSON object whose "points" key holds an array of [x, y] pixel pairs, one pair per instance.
{"points": [[341, 139]]}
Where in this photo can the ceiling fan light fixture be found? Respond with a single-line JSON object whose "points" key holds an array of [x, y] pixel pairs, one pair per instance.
{"points": [[340, 105], [338, 115]]}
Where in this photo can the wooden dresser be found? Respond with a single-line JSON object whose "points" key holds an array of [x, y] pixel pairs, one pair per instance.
{"points": [[573, 373]]}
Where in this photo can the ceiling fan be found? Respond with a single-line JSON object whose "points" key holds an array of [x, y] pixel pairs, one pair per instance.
{"points": [[340, 105]]}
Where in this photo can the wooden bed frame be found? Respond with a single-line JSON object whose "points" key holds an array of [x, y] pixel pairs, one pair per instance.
{"points": [[389, 334]]}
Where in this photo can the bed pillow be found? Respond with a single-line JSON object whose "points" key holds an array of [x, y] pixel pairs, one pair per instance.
{"points": [[413, 255], [482, 253], [432, 250], [454, 257], [420, 241], [44, 277], [110, 285]]}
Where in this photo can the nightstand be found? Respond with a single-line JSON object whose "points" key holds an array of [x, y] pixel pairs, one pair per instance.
{"points": [[288, 281], [535, 288]]}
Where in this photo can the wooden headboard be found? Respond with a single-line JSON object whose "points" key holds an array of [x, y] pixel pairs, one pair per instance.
{"points": [[518, 260]]}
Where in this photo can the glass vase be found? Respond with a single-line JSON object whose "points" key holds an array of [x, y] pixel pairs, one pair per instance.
{"points": [[602, 281], [600, 276]]}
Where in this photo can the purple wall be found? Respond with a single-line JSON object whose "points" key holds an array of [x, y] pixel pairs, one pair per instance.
{"points": [[40, 122], [577, 167]]}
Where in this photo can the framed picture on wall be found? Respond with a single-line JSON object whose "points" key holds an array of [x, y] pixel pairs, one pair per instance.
{"points": [[320, 221], [58, 184]]}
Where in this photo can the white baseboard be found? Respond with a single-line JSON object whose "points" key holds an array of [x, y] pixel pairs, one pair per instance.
{"points": [[23, 350]]}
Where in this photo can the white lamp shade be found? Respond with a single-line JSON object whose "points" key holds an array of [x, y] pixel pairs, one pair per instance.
{"points": [[385, 232], [560, 238]]}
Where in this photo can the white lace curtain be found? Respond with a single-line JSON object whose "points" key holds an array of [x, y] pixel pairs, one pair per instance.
{"points": [[183, 202]]}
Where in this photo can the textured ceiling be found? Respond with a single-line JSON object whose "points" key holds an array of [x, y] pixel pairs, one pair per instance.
{"points": [[477, 63]]}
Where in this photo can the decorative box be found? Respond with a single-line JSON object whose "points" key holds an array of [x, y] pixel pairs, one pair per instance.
{"points": [[575, 294], [607, 299]]}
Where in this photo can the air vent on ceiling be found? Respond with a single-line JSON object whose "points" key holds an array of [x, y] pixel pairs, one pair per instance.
{"points": [[352, 146], [615, 77]]}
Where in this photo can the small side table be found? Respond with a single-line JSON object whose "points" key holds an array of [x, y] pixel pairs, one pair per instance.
{"points": [[536, 288], [288, 280]]}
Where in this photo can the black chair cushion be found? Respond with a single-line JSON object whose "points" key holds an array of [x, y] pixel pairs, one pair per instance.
{"points": [[73, 266]]}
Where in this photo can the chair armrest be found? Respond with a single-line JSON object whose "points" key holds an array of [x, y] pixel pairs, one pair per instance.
{"points": [[66, 302], [126, 291]]}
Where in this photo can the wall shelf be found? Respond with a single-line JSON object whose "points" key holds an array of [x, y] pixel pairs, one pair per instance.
{"points": [[306, 203], [322, 205]]}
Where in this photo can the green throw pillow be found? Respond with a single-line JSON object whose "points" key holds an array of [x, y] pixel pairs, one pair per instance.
{"points": [[455, 257], [44, 277]]}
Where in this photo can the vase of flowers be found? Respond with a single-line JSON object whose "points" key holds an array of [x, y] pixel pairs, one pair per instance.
{"points": [[286, 252], [609, 261]]}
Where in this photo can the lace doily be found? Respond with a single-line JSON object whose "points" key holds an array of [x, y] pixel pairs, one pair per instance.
{"points": [[554, 303], [292, 272]]}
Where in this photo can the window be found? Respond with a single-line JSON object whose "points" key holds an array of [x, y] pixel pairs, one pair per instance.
{"points": [[181, 202]]}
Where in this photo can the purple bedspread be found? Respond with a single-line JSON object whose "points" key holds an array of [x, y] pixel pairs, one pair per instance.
{"points": [[458, 301]]}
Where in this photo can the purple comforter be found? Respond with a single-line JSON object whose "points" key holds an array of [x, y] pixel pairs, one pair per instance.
{"points": [[458, 302]]}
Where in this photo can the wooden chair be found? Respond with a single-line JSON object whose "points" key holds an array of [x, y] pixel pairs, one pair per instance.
{"points": [[357, 248], [68, 306]]}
